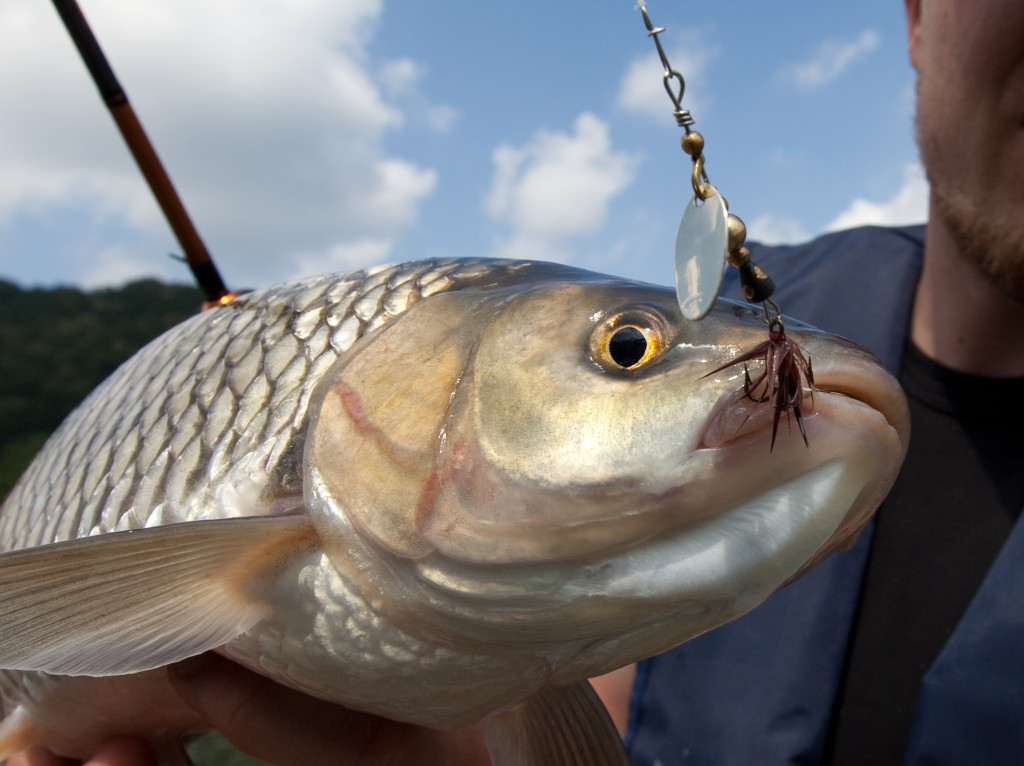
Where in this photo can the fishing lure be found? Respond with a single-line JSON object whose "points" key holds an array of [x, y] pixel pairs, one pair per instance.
{"points": [[710, 236], [786, 371]]}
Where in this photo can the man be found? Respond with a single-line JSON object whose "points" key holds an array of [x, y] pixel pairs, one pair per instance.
{"points": [[787, 683]]}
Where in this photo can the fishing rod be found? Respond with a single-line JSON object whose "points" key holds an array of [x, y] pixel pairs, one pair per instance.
{"points": [[196, 255]]}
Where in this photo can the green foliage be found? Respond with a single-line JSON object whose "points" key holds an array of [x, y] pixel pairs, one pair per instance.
{"points": [[212, 749], [15, 455], [58, 344]]}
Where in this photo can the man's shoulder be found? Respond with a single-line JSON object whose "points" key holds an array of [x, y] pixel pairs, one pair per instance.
{"points": [[863, 246], [858, 283]]}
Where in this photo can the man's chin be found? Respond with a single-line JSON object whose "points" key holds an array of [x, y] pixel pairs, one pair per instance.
{"points": [[990, 240]]}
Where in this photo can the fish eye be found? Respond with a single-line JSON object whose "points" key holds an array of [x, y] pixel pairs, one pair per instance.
{"points": [[629, 339]]}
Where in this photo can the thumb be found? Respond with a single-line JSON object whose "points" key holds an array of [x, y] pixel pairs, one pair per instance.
{"points": [[262, 718], [288, 728]]}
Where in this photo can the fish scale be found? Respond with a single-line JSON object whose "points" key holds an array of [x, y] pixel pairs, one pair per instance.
{"points": [[231, 383]]}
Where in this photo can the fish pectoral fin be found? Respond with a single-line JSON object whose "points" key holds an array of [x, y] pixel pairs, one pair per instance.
{"points": [[558, 726], [130, 601]]}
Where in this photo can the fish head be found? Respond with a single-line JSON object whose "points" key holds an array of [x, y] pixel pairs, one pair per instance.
{"points": [[551, 450]]}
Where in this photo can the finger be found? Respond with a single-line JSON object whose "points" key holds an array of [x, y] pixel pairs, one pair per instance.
{"points": [[259, 717], [38, 756], [124, 751], [288, 728]]}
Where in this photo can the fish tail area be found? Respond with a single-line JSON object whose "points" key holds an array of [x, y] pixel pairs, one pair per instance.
{"points": [[16, 733], [557, 726]]}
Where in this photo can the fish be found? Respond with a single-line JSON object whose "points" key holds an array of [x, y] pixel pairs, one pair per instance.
{"points": [[441, 491]]}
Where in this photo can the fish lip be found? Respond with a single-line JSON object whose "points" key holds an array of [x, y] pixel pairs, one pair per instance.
{"points": [[871, 385], [860, 378]]}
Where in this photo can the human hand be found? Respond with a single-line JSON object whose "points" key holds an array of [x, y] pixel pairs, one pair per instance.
{"points": [[284, 727], [288, 728]]}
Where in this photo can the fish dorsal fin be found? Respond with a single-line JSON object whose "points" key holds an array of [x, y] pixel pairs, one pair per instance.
{"points": [[558, 726], [130, 601]]}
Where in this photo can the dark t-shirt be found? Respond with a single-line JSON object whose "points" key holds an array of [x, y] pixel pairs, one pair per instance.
{"points": [[940, 528]]}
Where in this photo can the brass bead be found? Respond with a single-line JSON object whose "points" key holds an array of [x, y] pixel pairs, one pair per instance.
{"points": [[737, 232], [693, 143], [738, 257]]}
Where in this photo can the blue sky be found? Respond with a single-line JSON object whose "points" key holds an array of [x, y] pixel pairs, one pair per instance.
{"points": [[325, 135]]}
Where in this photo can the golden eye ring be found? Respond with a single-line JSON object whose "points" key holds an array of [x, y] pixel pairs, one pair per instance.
{"points": [[629, 339]]}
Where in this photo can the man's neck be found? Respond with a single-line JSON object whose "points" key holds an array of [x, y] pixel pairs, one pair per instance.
{"points": [[960, 318]]}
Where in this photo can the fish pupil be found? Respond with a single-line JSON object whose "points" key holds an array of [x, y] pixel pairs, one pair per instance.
{"points": [[627, 346]]}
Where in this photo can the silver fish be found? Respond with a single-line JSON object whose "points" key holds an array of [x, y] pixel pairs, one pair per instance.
{"points": [[439, 492]]}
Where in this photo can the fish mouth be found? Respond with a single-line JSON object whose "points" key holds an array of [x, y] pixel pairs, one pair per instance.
{"points": [[850, 380], [855, 416]]}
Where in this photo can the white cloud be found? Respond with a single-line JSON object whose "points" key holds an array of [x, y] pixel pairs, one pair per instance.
{"points": [[772, 230], [343, 257], [830, 60], [441, 117], [401, 76], [909, 204], [556, 187], [642, 90], [271, 119], [401, 79], [117, 264]]}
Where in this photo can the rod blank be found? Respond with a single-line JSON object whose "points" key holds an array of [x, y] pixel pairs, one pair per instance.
{"points": [[113, 95]]}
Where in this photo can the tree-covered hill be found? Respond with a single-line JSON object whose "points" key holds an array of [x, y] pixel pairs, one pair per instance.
{"points": [[57, 344]]}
